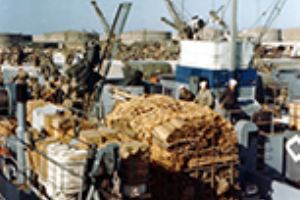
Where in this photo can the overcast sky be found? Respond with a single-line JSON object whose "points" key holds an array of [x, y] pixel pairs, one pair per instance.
{"points": [[39, 16]]}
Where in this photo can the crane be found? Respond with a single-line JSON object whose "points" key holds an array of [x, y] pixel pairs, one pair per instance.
{"points": [[217, 19], [168, 22], [111, 49], [101, 16], [214, 16], [175, 14], [177, 22]]}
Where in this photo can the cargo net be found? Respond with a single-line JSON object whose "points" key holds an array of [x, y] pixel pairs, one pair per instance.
{"points": [[58, 182], [183, 138]]}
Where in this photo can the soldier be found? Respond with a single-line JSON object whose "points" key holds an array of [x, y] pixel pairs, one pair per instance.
{"points": [[185, 94], [73, 89], [9, 56], [36, 59], [70, 59], [35, 88], [204, 96], [59, 94], [66, 87], [77, 58], [229, 102], [93, 53], [65, 81], [76, 96], [20, 56], [1, 80], [282, 99], [52, 82], [228, 99], [48, 89], [136, 79], [21, 76], [2, 58], [48, 67], [46, 83], [45, 70]]}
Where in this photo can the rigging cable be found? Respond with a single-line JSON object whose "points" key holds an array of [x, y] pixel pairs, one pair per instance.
{"points": [[272, 17], [225, 9], [263, 14]]}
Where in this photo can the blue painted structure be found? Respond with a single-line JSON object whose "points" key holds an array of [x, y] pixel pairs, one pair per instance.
{"points": [[217, 78]]}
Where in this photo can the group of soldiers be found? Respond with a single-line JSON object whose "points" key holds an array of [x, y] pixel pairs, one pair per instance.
{"points": [[57, 89], [13, 56], [205, 97], [72, 84]]}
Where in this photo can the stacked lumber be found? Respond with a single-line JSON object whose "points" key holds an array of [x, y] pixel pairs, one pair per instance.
{"points": [[177, 131], [56, 121], [182, 135], [7, 127], [60, 125]]}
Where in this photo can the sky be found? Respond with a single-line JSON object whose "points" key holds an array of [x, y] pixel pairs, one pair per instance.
{"points": [[40, 16]]}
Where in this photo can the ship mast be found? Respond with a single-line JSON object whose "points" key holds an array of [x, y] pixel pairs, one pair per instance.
{"points": [[233, 59]]}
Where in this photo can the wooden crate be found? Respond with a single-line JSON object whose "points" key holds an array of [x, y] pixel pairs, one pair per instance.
{"points": [[294, 111]]}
